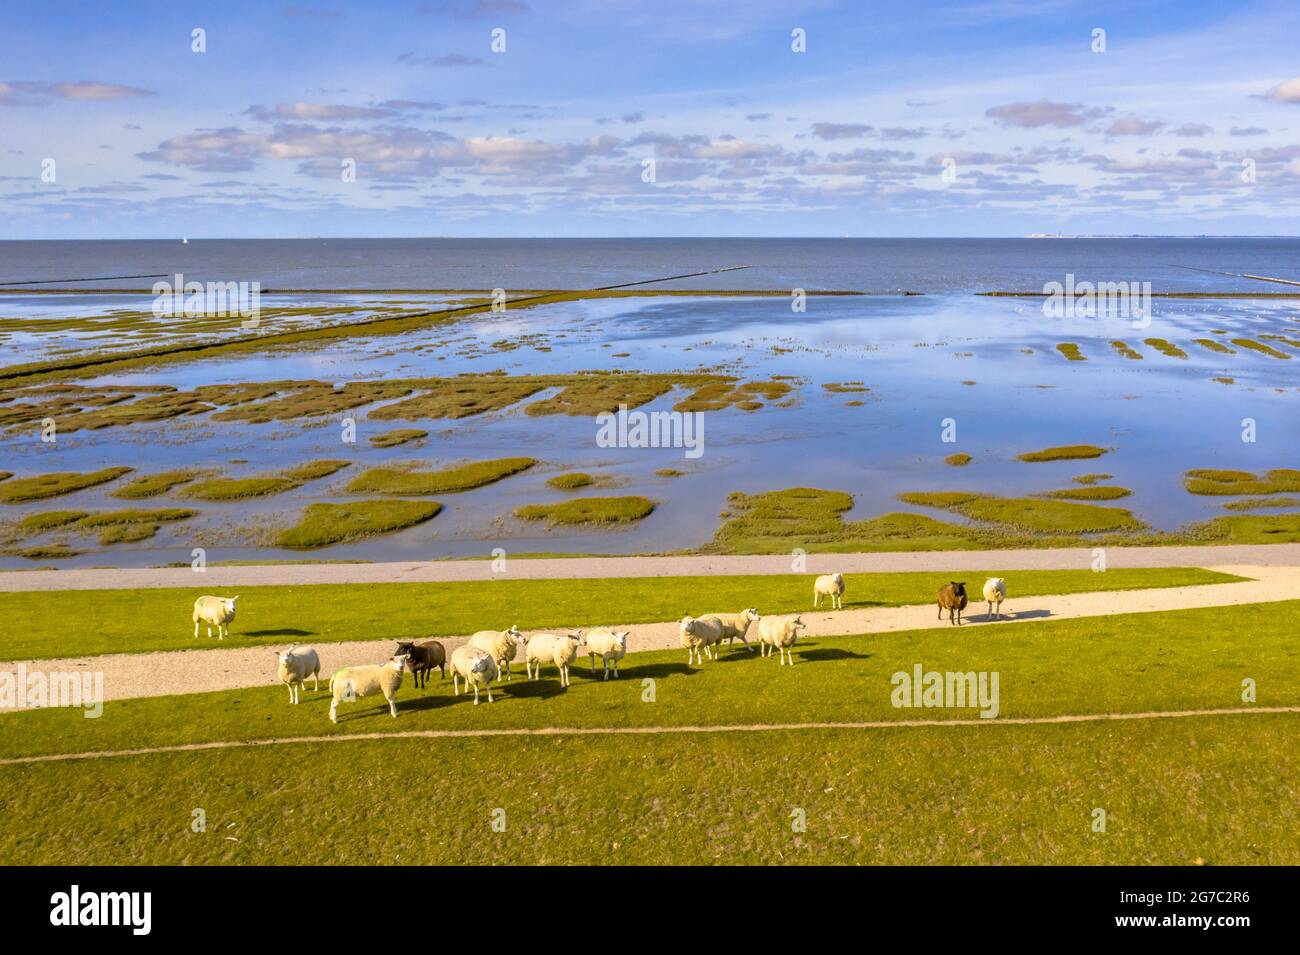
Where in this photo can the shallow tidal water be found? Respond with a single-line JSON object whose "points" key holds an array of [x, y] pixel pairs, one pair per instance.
{"points": [[916, 354]]}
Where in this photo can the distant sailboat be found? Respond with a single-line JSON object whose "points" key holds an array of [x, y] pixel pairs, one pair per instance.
{"points": [[185, 241]]}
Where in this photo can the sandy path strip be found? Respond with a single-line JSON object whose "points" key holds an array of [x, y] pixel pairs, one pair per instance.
{"points": [[134, 675], [647, 731], [217, 578]]}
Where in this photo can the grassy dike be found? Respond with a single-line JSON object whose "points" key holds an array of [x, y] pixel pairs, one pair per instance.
{"points": [[1222, 789], [89, 622]]}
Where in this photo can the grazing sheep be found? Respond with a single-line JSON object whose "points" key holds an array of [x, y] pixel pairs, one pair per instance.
{"points": [[829, 585], [215, 612], [351, 683], [779, 632], [700, 633], [501, 644], [294, 667], [561, 650], [995, 591], [735, 625], [476, 666], [609, 646], [422, 658], [952, 598]]}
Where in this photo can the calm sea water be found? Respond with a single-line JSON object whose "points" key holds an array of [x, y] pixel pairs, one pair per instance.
{"points": [[879, 265]]}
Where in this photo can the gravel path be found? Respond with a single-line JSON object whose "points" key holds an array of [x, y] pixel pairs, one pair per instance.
{"points": [[218, 578], [128, 676], [650, 731]]}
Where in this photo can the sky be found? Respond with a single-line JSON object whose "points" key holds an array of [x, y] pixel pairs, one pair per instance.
{"points": [[662, 118]]}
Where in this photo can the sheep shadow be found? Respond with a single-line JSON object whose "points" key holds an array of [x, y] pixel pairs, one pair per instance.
{"points": [[422, 704], [640, 671], [1020, 615], [830, 653]]}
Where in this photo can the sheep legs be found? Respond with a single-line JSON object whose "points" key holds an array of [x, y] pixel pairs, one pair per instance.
{"points": [[392, 706]]}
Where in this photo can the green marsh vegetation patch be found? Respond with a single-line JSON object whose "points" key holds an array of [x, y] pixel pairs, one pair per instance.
{"points": [[406, 480]]}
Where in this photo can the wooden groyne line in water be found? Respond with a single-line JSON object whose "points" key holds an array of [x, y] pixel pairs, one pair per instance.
{"points": [[42, 370]]}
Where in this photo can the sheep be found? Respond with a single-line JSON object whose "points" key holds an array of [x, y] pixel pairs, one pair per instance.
{"points": [[995, 591], [501, 644], [735, 625], [561, 650], [350, 683], [952, 598], [700, 633], [609, 646], [476, 666], [215, 612], [294, 667], [829, 585], [422, 658], [779, 632]]}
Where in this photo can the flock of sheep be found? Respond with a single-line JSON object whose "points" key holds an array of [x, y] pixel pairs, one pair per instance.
{"points": [[487, 655]]}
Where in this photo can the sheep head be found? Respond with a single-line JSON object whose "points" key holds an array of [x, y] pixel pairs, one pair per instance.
{"points": [[750, 614], [621, 640]]}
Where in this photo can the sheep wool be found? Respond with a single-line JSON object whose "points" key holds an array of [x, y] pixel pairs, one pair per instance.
{"points": [[781, 633], [352, 683], [829, 585], [700, 633], [215, 612], [995, 591], [561, 650], [294, 668], [476, 667], [609, 646], [502, 645]]}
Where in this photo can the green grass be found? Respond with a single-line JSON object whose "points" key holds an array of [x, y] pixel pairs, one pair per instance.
{"points": [[1166, 348], [1259, 347], [1093, 478], [1214, 481], [264, 485], [1071, 351], [76, 622], [397, 437], [1259, 503], [1174, 790], [571, 481], [1049, 516], [1125, 350], [957, 460], [43, 486], [944, 499], [1249, 529], [589, 510], [1211, 345], [461, 477], [325, 524], [45, 521], [669, 473], [1091, 493], [1068, 452], [151, 485]]}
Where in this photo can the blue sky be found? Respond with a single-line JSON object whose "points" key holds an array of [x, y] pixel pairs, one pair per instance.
{"points": [[552, 137]]}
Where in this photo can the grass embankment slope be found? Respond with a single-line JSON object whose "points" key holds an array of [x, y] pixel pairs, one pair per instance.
{"points": [[88, 622], [1174, 790]]}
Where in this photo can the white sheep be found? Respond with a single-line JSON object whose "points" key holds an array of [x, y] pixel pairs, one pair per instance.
{"points": [[350, 683], [215, 612], [476, 666], [779, 632], [609, 646], [736, 625], [700, 633], [295, 665], [560, 649], [829, 585], [995, 591], [502, 645]]}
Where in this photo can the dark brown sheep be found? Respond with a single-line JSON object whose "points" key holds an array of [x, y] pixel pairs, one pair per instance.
{"points": [[423, 657], [952, 598]]}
